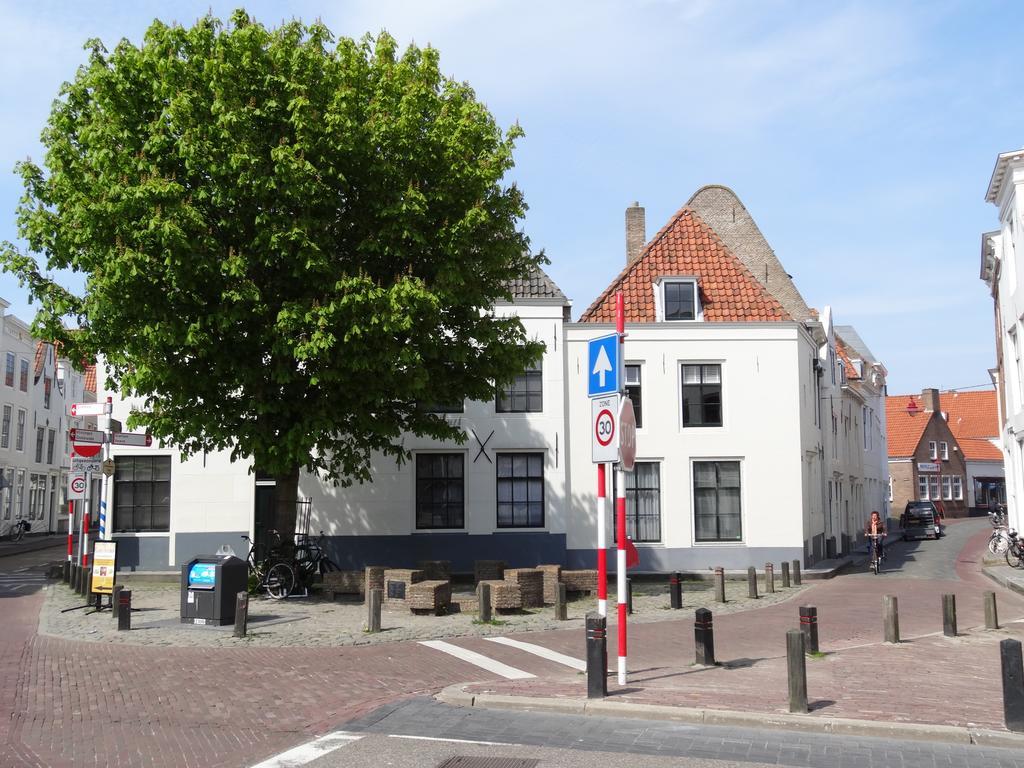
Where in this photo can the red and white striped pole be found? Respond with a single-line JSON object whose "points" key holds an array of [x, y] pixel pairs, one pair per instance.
{"points": [[85, 529], [71, 530], [602, 544], [620, 504]]}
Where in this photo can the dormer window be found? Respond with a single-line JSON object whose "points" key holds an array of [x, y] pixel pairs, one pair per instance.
{"points": [[677, 299]]}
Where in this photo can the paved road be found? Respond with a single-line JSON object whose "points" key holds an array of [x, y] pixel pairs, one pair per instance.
{"points": [[927, 558], [381, 738]]}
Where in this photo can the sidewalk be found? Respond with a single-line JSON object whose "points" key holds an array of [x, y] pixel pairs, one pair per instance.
{"points": [[928, 686]]}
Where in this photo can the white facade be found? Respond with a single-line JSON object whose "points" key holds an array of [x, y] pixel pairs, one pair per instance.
{"points": [[1002, 271], [36, 388]]}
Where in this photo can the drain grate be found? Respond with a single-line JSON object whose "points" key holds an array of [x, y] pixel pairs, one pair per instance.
{"points": [[467, 761]]}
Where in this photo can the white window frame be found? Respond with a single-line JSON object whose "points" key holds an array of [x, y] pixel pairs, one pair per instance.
{"points": [[19, 437], [659, 298], [680, 365], [958, 487], [742, 542], [944, 450], [947, 487], [19, 493], [24, 368], [6, 425], [11, 361], [933, 449], [637, 384], [933, 487]]}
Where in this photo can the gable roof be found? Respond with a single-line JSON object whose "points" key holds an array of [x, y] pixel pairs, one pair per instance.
{"points": [[844, 354], [687, 247], [904, 430], [537, 285]]}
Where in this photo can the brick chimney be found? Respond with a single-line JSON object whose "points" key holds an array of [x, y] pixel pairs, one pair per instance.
{"points": [[636, 232], [930, 400]]}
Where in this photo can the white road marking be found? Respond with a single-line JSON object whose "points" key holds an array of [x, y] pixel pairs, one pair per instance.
{"points": [[477, 659], [544, 653], [454, 741], [307, 753]]}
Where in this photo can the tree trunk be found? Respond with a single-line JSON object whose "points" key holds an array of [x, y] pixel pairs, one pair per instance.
{"points": [[286, 496]]}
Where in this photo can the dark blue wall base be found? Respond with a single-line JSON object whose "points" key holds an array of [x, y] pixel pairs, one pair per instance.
{"points": [[518, 550], [148, 553], [192, 544], [692, 558]]}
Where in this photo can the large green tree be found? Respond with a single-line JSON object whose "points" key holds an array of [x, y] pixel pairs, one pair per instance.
{"points": [[289, 242]]}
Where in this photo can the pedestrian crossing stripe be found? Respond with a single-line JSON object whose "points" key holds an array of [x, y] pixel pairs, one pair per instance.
{"points": [[544, 653], [477, 659]]}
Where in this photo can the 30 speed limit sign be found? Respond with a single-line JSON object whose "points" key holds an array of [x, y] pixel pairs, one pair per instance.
{"points": [[605, 429], [76, 485]]}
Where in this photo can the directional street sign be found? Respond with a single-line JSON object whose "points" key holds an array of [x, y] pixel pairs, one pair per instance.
{"points": [[90, 409], [93, 436], [603, 369], [131, 438], [604, 432]]}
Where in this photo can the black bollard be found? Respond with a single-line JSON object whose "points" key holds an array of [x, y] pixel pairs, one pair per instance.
{"points": [[769, 578], [949, 615], [809, 626], [796, 666], [75, 571], [597, 656], [87, 586], [124, 610], [629, 597], [115, 600], [704, 638], [241, 614], [752, 583], [796, 573], [719, 585], [675, 590], [1013, 684], [65, 574], [785, 574]]}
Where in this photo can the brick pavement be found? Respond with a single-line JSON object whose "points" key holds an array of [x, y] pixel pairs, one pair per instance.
{"points": [[68, 703]]}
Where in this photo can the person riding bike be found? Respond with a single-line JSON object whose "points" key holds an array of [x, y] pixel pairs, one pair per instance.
{"points": [[875, 528]]}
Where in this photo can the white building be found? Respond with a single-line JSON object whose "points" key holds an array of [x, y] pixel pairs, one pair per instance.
{"points": [[1002, 271], [35, 392]]}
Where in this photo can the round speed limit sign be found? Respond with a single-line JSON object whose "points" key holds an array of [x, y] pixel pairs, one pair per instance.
{"points": [[604, 428], [76, 487], [605, 434]]}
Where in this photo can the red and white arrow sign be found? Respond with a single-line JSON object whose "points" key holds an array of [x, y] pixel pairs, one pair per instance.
{"points": [[90, 409]]}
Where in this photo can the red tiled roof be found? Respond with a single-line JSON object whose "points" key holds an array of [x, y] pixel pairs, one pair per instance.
{"points": [[972, 414], [40, 361], [687, 247], [90, 378], [844, 354], [979, 449], [903, 429]]}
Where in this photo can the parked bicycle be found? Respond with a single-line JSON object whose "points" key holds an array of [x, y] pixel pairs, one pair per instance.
{"points": [[19, 529], [273, 573], [311, 559], [1014, 550]]}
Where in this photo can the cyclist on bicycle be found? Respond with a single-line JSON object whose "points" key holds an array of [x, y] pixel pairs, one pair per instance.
{"points": [[875, 528]]}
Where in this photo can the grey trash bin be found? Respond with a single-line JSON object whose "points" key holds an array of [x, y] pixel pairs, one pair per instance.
{"points": [[209, 587]]}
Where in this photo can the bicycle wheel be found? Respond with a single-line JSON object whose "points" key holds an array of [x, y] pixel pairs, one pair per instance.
{"points": [[1015, 556], [280, 580], [17, 532], [328, 566], [998, 543]]}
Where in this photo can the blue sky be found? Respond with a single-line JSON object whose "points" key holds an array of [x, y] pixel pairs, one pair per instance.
{"points": [[861, 136]]}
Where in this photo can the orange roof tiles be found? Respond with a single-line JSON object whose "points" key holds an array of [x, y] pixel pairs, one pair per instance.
{"points": [[903, 429], [90, 378], [979, 449], [844, 354], [972, 414], [687, 247]]}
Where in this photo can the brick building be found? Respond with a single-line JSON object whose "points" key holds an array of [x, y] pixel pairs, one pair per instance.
{"points": [[926, 461]]}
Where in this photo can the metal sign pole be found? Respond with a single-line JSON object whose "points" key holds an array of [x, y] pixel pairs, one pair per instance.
{"points": [[620, 500], [87, 509], [71, 530], [81, 521], [602, 543]]}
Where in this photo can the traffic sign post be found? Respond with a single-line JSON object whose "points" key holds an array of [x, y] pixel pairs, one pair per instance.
{"points": [[91, 409], [77, 483], [604, 434], [604, 366]]}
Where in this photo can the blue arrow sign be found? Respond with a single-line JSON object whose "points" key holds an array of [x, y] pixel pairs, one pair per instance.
{"points": [[603, 368]]}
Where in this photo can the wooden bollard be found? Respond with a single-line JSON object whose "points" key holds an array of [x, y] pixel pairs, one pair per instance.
{"points": [[561, 609], [704, 638], [891, 618], [769, 578], [374, 600], [809, 626], [949, 615], [719, 585], [241, 614], [796, 666], [124, 610], [752, 583], [675, 590], [1013, 684], [483, 599], [796, 573], [991, 617], [785, 575]]}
